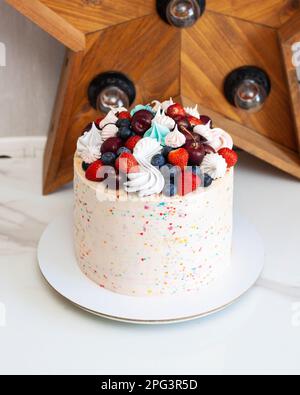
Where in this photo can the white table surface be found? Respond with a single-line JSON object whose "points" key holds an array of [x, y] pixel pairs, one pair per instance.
{"points": [[44, 334]]}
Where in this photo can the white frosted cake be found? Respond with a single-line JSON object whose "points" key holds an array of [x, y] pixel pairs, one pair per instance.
{"points": [[153, 201]]}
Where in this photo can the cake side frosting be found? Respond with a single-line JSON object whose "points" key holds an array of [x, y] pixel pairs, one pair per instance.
{"points": [[152, 246]]}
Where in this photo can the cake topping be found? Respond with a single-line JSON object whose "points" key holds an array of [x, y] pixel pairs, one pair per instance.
{"points": [[196, 152], [113, 144], [193, 111], [164, 105], [109, 119], [204, 130], [140, 107], [214, 165], [127, 163], [149, 181], [125, 132], [179, 157], [207, 180], [118, 110], [124, 115], [132, 142], [141, 121], [194, 121], [163, 120], [110, 130], [217, 138], [108, 126], [230, 156], [158, 133], [109, 158], [176, 110], [95, 172], [158, 160], [89, 145], [146, 148], [175, 139], [158, 149]]}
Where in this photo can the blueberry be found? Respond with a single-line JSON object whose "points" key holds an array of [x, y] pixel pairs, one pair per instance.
{"points": [[124, 132], [166, 151], [170, 190], [123, 150], [85, 166], [207, 180], [109, 158], [123, 123], [158, 160]]}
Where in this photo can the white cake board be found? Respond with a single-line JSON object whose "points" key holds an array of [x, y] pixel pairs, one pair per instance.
{"points": [[59, 267]]}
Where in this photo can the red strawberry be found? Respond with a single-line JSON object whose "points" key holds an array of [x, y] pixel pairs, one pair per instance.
{"points": [[126, 163], [176, 109], [95, 172], [132, 142], [230, 156], [124, 115], [194, 121], [179, 157], [187, 183]]}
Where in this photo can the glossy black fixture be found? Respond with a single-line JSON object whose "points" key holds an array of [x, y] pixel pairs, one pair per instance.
{"points": [[247, 88], [181, 13], [111, 89]]}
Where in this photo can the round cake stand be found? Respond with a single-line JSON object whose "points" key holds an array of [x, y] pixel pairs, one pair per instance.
{"points": [[59, 267]]}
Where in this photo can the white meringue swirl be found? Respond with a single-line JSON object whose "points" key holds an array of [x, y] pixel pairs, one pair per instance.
{"points": [[204, 130], [162, 119], [89, 145], [214, 165], [175, 139], [222, 139], [91, 155], [109, 130], [117, 110], [164, 105], [149, 180], [109, 119], [217, 138], [193, 111], [108, 125]]}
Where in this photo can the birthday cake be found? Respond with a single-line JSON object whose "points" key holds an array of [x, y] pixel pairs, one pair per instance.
{"points": [[153, 200]]}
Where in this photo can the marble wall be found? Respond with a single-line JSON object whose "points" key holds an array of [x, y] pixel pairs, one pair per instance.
{"points": [[30, 64]]}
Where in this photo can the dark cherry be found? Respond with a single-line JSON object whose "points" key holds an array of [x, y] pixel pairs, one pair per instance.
{"points": [[205, 119], [190, 136], [202, 139], [197, 138], [141, 122], [208, 149], [182, 123], [112, 144], [196, 152]]}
